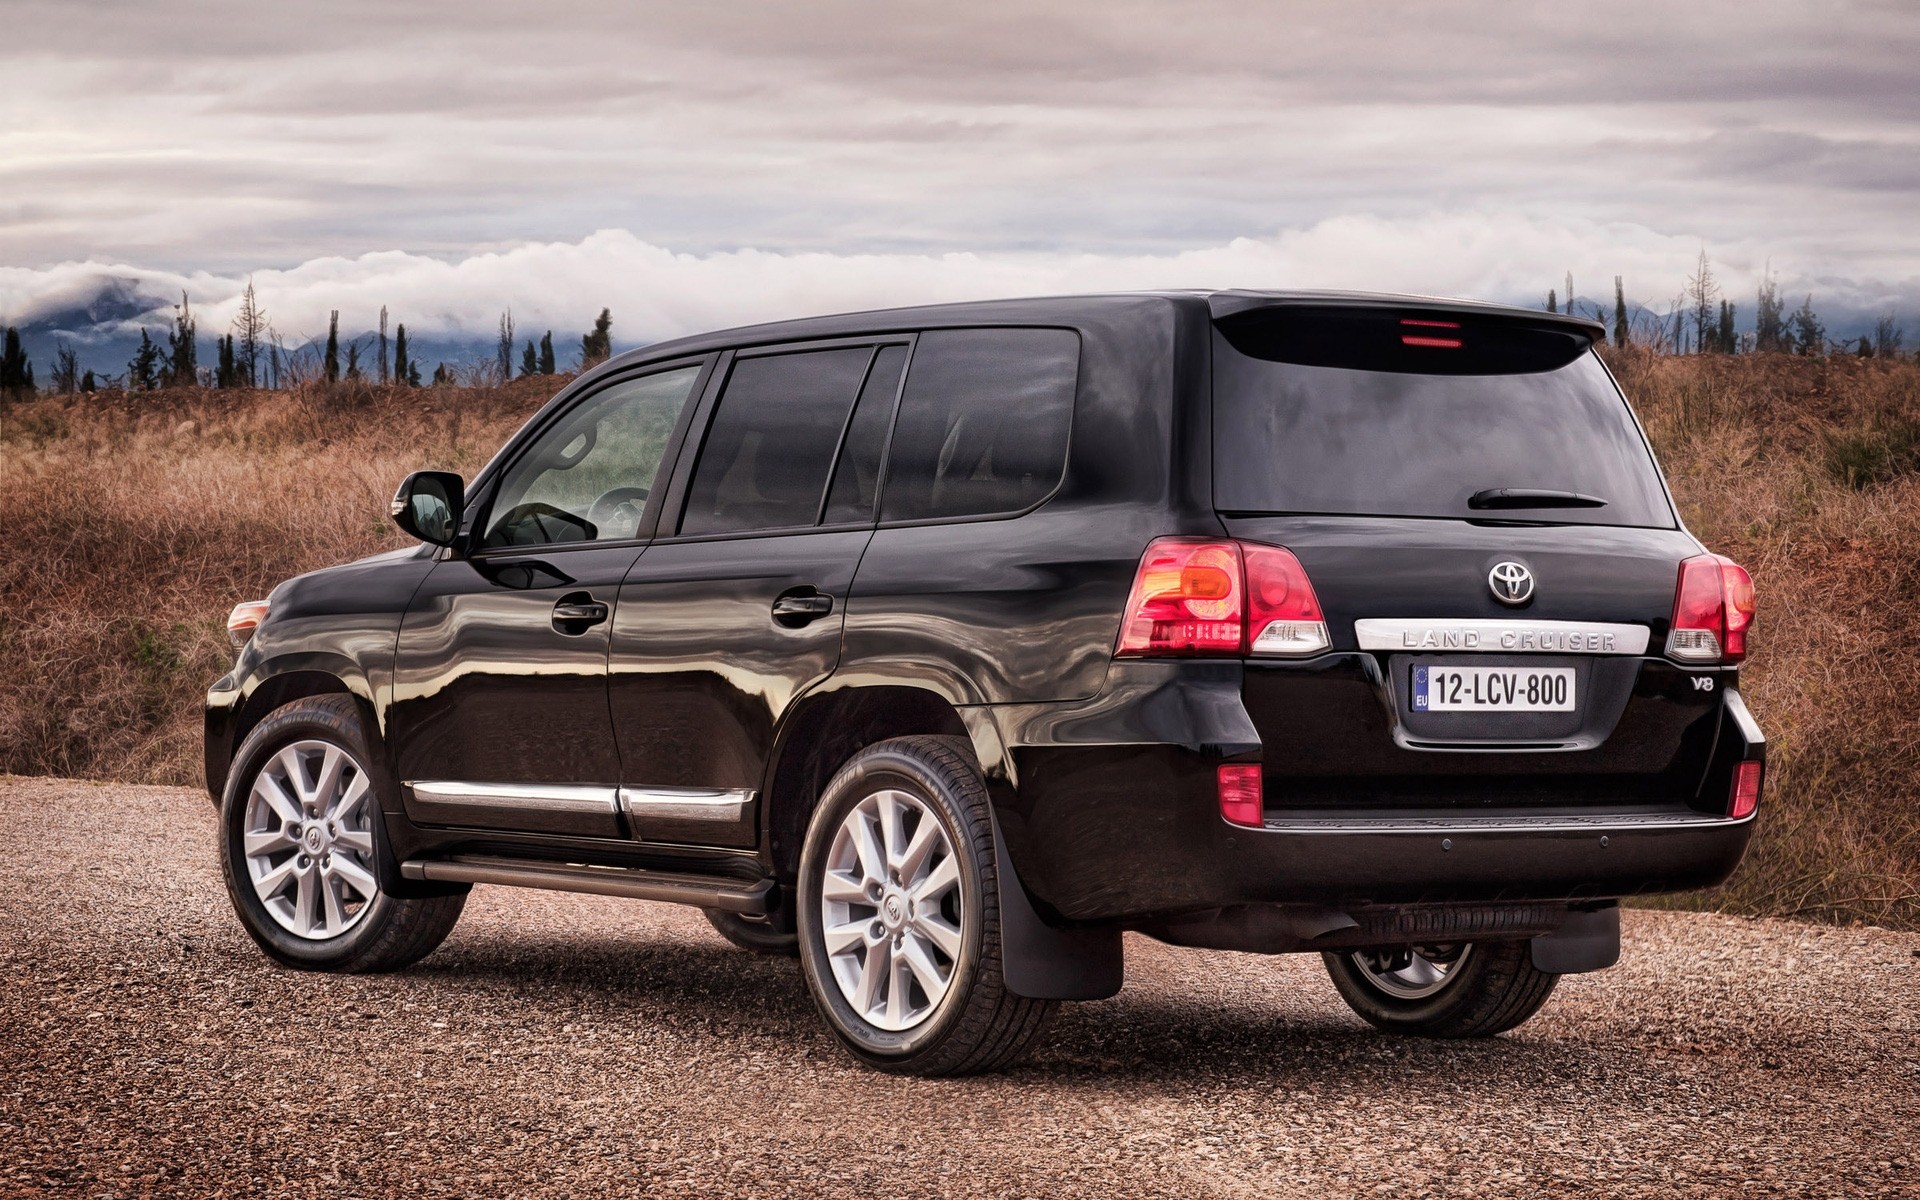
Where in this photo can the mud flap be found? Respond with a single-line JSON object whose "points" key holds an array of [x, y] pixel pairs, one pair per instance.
{"points": [[1043, 963], [1589, 941]]}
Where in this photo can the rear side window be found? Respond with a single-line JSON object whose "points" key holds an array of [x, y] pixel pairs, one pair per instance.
{"points": [[1391, 414], [771, 443], [856, 478], [983, 423]]}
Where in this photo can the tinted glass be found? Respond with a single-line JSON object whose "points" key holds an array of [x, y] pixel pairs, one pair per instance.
{"points": [[857, 475], [1290, 437], [983, 422], [587, 477], [771, 442]]}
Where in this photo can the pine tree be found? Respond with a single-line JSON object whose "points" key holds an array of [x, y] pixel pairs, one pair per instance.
{"points": [[183, 351], [597, 347], [87, 385], [546, 353], [503, 349], [223, 374], [400, 364], [1726, 341], [16, 373], [1770, 323], [332, 360], [441, 375], [353, 361], [1553, 301], [1809, 335], [1619, 312], [529, 362], [143, 373]]}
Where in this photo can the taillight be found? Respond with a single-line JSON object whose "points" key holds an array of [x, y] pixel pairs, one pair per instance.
{"points": [[1240, 801], [1712, 611], [1427, 340], [1745, 796], [1187, 599], [244, 620], [1221, 597], [1283, 614]]}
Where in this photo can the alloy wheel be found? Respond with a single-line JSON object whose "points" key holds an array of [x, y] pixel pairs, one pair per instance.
{"points": [[308, 840], [891, 910], [1412, 973]]}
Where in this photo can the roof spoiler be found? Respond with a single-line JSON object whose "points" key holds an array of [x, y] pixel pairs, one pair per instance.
{"points": [[1233, 303]]}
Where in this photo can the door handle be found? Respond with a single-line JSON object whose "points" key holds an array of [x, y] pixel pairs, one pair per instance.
{"points": [[797, 608], [577, 614]]}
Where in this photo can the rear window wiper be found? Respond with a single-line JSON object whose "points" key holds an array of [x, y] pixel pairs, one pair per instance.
{"points": [[1532, 498]]}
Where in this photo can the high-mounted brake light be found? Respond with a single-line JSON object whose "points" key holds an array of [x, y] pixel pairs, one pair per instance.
{"points": [[1428, 340], [244, 620], [1240, 802], [1193, 597], [1745, 794], [1712, 611]]}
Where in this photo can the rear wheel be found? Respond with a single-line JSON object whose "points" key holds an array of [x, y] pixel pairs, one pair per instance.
{"points": [[1456, 990], [304, 847], [899, 912]]}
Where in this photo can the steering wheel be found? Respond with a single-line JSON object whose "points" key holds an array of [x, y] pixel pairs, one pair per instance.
{"points": [[617, 513]]}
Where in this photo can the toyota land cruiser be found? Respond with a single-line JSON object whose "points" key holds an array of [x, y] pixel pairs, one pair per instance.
{"points": [[940, 646]]}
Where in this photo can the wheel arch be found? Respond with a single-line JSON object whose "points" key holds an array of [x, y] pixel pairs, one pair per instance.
{"points": [[280, 682], [828, 727]]}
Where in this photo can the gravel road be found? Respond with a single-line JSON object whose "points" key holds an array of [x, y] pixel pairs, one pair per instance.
{"points": [[580, 1046]]}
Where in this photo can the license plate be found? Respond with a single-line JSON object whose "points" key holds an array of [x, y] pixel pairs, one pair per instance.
{"points": [[1492, 689]]}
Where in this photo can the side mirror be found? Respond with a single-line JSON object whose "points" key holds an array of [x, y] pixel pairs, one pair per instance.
{"points": [[428, 506]]}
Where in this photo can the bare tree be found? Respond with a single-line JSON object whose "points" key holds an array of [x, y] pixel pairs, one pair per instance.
{"points": [[1887, 336], [250, 331], [383, 346], [65, 379], [1703, 291]]}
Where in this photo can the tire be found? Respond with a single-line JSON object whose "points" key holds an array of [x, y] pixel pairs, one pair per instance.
{"points": [[1491, 988], [946, 931], [367, 927], [764, 935]]}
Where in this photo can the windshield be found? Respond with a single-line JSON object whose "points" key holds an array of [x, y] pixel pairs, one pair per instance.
{"points": [[1540, 446]]}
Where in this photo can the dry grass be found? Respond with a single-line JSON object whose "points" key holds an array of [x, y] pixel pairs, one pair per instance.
{"points": [[133, 524]]}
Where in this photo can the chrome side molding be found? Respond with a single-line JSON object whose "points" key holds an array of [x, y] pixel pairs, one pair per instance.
{"points": [[1470, 636], [537, 797], [686, 804]]}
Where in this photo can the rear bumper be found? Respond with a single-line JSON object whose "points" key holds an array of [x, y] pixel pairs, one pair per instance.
{"points": [[1113, 817]]}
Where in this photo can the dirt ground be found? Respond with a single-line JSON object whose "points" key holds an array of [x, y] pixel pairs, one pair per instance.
{"points": [[579, 1046]]}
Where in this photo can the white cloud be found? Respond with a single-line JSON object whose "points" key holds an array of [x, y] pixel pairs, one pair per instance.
{"points": [[656, 293]]}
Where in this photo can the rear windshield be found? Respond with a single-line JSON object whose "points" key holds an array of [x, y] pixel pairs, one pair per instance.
{"points": [[1341, 416]]}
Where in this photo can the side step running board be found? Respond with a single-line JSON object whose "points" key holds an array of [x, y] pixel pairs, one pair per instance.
{"points": [[703, 891]]}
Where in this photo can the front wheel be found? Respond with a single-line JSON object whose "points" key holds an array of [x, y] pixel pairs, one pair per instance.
{"points": [[305, 854], [1458, 990], [899, 913]]}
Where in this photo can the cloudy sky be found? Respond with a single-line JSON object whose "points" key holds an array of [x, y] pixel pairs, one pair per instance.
{"points": [[704, 164]]}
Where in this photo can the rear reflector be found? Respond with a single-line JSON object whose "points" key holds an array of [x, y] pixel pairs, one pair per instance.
{"points": [[1745, 797], [1193, 597], [1712, 611], [1240, 801]]}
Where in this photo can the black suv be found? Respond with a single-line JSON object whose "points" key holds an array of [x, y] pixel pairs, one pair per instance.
{"points": [[940, 646]]}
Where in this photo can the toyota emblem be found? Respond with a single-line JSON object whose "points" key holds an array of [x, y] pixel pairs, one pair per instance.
{"points": [[1511, 583]]}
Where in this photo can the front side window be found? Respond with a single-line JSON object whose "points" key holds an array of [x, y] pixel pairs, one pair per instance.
{"points": [[983, 423], [772, 440], [587, 478]]}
